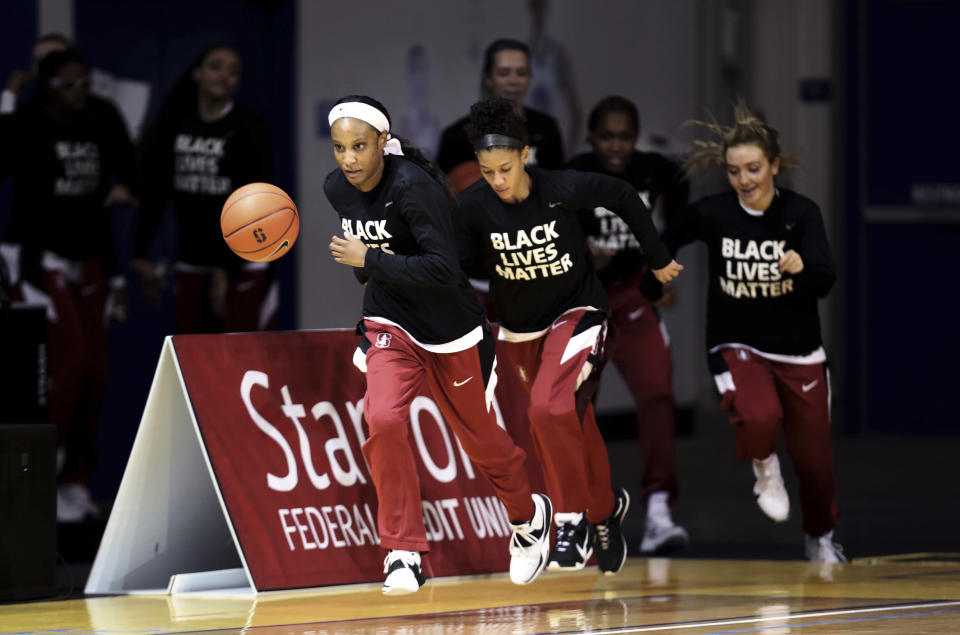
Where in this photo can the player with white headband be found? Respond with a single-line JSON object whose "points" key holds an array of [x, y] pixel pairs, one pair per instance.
{"points": [[422, 327]]}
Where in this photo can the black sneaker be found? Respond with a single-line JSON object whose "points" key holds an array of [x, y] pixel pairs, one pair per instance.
{"points": [[574, 543], [403, 572], [610, 543]]}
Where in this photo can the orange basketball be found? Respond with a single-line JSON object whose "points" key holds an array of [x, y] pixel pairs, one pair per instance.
{"points": [[260, 222]]}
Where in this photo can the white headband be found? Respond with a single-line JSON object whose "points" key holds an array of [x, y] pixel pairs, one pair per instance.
{"points": [[369, 114]]}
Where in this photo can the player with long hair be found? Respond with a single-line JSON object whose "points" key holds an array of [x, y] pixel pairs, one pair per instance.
{"points": [[769, 264], [202, 146]]}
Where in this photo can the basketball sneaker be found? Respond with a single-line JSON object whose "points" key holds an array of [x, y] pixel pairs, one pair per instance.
{"points": [[530, 543], [771, 494], [661, 535], [403, 572], [574, 542], [824, 549], [610, 545]]}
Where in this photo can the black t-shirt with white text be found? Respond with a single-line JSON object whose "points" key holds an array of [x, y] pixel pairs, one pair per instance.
{"points": [[412, 274], [535, 252], [196, 165], [62, 170], [749, 300], [653, 176]]}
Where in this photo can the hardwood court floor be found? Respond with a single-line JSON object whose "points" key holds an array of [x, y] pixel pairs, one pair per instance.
{"points": [[906, 595]]}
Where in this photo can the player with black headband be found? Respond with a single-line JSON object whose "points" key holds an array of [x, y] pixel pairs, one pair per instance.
{"points": [[641, 349], [520, 226], [422, 326], [769, 263]]}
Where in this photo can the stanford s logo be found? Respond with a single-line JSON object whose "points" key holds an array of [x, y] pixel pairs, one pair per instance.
{"points": [[259, 234], [383, 340]]}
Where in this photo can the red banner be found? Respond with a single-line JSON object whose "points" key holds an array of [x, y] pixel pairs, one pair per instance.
{"points": [[281, 419]]}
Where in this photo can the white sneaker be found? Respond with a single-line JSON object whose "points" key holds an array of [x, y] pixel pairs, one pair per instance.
{"points": [[661, 534], [771, 494], [403, 572], [530, 543], [824, 549], [74, 503]]}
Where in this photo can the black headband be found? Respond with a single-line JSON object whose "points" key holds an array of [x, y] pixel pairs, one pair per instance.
{"points": [[488, 141]]}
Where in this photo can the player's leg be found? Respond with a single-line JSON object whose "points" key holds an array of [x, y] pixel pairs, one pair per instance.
{"points": [[805, 395], [394, 378], [67, 377], [641, 353], [193, 311], [746, 384], [251, 299], [462, 385], [574, 464]]}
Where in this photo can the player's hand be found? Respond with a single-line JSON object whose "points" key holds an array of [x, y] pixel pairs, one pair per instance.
{"points": [[17, 81], [120, 194], [152, 281], [669, 272], [791, 262], [668, 298], [348, 251]]}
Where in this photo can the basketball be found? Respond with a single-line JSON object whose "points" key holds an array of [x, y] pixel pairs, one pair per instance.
{"points": [[259, 222]]}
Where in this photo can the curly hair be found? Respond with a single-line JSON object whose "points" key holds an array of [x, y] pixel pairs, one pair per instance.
{"points": [[496, 115], [748, 129]]}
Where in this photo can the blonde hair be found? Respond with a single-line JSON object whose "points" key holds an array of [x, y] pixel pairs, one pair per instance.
{"points": [[747, 129]]}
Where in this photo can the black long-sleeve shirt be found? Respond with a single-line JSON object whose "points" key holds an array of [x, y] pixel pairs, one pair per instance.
{"points": [[749, 300], [546, 142], [535, 252], [653, 176], [62, 170], [411, 269], [196, 165]]}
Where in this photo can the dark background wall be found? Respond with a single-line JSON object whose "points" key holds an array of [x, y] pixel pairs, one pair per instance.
{"points": [[903, 214]]}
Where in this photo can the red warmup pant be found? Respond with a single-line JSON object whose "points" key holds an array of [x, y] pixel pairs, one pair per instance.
{"points": [[641, 352], [569, 445], [397, 372], [764, 395], [247, 297], [77, 364]]}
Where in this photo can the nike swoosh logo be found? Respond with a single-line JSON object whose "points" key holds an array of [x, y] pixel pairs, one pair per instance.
{"points": [[283, 245], [582, 551], [809, 387], [387, 204], [557, 324], [633, 315], [554, 204], [457, 384], [790, 226]]}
